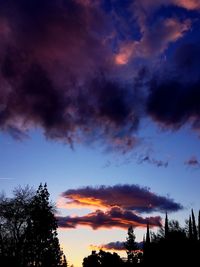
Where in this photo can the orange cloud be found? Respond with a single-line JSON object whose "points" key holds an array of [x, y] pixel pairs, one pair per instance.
{"points": [[129, 197]]}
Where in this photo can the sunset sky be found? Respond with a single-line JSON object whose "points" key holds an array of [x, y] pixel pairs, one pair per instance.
{"points": [[101, 100]]}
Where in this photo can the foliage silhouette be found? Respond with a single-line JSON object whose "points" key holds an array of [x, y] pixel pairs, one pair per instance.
{"points": [[103, 259], [28, 230], [172, 245]]}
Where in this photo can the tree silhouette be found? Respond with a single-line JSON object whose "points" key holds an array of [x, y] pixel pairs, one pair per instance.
{"points": [[64, 261], [92, 260], [166, 226], [14, 214], [131, 246], [28, 230], [190, 229], [194, 227], [103, 259], [42, 242]]}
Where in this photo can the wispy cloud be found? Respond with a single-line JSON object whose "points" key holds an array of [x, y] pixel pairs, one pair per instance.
{"points": [[192, 162], [153, 161]]}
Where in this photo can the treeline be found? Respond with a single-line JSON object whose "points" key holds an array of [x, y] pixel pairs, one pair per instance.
{"points": [[28, 230], [172, 245], [28, 238]]}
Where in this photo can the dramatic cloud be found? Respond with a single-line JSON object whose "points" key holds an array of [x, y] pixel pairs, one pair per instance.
{"points": [[71, 68], [193, 162], [118, 206], [51, 67], [129, 197], [115, 217]]}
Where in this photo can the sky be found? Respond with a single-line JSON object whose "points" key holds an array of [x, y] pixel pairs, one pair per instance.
{"points": [[101, 100]]}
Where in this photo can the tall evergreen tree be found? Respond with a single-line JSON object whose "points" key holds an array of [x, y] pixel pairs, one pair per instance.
{"points": [[194, 227], [131, 245], [42, 242], [166, 226], [190, 228], [148, 235]]}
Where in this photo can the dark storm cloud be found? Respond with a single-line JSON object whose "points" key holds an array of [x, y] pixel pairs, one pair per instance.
{"points": [[175, 95], [114, 217], [53, 58], [128, 197], [175, 92], [66, 67]]}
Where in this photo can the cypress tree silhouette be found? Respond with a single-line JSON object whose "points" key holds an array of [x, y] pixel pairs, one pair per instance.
{"points": [[194, 228], [148, 240], [166, 226], [190, 229]]}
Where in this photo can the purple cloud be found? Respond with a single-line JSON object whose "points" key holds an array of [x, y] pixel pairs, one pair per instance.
{"points": [[116, 246], [128, 197], [71, 77], [115, 217]]}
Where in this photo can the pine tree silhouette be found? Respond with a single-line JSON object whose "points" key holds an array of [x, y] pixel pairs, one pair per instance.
{"points": [[166, 226], [190, 229], [148, 235], [194, 227], [42, 242]]}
